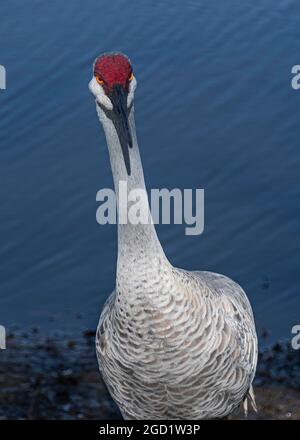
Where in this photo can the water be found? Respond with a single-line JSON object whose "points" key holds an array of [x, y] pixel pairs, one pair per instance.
{"points": [[214, 110]]}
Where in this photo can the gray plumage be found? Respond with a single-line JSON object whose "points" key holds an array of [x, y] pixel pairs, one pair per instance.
{"points": [[171, 344]]}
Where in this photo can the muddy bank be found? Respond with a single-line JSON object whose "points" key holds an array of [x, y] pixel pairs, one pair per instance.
{"points": [[57, 378]]}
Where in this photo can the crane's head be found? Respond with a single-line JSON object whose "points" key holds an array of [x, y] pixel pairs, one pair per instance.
{"points": [[113, 86]]}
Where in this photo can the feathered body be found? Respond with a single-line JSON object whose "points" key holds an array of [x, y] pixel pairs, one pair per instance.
{"points": [[182, 346]]}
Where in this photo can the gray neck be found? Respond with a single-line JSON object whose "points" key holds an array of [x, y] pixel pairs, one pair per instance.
{"points": [[138, 244]]}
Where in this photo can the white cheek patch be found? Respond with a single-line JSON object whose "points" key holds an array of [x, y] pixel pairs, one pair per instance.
{"points": [[99, 94], [132, 88], [104, 100]]}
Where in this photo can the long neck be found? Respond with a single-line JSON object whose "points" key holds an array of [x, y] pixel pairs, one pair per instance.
{"points": [[138, 244]]}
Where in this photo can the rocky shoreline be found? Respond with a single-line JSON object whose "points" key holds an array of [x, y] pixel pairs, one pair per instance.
{"points": [[57, 378]]}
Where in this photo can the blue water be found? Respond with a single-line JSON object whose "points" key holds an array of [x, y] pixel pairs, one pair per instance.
{"points": [[214, 110]]}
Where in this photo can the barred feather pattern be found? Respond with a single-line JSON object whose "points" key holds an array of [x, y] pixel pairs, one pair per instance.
{"points": [[177, 344]]}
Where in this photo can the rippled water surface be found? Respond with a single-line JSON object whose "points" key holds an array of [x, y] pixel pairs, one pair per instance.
{"points": [[214, 110]]}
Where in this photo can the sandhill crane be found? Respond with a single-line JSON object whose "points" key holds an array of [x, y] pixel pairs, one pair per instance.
{"points": [[171, 343]]}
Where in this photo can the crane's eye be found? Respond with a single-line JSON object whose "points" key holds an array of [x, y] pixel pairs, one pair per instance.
{"points": [[131, 77], [99, 80]]}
